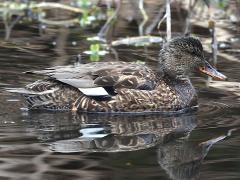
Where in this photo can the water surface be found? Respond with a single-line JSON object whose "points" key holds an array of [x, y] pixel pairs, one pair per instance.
{"points": [[47, 145]]}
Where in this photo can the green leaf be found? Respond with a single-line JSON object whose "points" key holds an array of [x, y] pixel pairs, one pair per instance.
{"points": [[94, 48], [94, 57]]}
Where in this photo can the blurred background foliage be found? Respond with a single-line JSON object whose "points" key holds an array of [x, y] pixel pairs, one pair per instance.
{"points": [[152, 20]]}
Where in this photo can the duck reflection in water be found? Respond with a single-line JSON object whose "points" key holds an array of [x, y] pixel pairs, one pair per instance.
{"points": [[170, 135]]}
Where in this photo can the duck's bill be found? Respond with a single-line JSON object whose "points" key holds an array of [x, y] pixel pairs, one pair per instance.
{"points": [[211, 71]]}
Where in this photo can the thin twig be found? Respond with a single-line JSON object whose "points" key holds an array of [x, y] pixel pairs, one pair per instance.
{"points": [[189, 16], [212, 28], [160, 22], [115, 53], [43, 5], [50, 5], [214, 42], [156, 21], [214, 47], [145, 17], [168, 14], [9, 27], [104, 30], [59, 23]]}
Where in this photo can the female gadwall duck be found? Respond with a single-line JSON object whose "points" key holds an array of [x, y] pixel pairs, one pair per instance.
{"points": [[117, 87]]}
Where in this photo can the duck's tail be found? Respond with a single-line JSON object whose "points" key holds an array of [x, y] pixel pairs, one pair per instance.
{"points": [[41, 95]]}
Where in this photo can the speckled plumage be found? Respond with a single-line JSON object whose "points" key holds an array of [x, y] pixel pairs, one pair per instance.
{"points": [[136, 88], [130, 87]]}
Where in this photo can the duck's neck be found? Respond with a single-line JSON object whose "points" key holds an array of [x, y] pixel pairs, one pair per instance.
{"points": [[185, 90]]}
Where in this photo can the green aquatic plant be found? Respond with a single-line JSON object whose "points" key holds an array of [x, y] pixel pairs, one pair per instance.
{"points": [[96, 50], [88, 15]]}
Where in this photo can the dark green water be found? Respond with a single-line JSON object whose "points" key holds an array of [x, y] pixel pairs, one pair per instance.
{"points": [[40, 145]]}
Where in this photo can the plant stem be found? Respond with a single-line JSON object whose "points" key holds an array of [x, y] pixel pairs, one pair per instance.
{"points": [[168, 14], [157, 19], [145, 17]]}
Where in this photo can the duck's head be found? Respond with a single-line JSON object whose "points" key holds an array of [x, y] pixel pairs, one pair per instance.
{"points": [[183, 55]]}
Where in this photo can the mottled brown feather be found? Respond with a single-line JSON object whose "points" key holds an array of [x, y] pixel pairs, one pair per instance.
{"points": [[137, 89]]}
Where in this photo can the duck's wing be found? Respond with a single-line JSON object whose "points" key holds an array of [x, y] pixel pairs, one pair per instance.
{"points": [[94, 77]]}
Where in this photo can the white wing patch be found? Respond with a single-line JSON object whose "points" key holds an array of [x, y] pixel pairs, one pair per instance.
{"points": [[97, 91]]}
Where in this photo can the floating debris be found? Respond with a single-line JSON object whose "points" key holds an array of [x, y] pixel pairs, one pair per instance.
{"points": [[13, 100], [140, 62], [96, 38], [74, 43], [224, 45], [79, 58], [138, 41], [54, 43], [43, 26], [235, 39], [24, 109]]}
